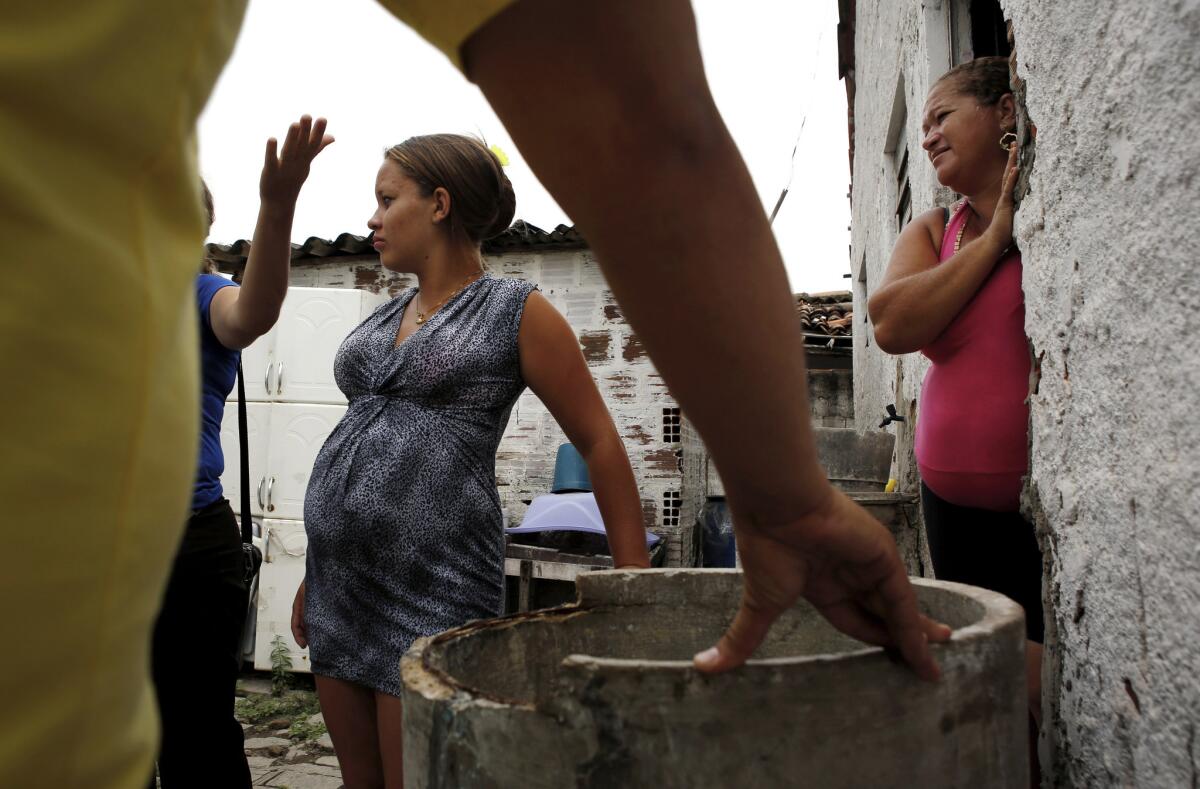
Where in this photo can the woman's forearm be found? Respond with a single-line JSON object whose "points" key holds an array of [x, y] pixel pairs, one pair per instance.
{"points": [[682, 237], [910, 313], [265, 280], [674, 218], [617, 496]]}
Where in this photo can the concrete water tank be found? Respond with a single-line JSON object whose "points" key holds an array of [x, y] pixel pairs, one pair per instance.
{"points": [[602, 694]]}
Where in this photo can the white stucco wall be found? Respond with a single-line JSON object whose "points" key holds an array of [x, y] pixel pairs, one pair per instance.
{"points": [[893, 75], [1112, 295]]}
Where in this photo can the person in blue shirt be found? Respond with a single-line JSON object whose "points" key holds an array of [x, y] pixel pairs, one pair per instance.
{"points": [[196, 648]]}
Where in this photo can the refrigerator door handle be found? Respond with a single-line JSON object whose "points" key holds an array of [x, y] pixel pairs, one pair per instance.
{"points": [[279, 379], [270, 487], [267, 378], [261, 504]]}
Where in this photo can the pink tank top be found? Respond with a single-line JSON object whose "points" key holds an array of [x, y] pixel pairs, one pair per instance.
{"points": [[971, 443]]}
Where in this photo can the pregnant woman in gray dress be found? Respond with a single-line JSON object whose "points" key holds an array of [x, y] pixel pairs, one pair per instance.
{"points": [[402, 515]]}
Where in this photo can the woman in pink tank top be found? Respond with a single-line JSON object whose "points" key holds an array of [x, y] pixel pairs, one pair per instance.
{"points": [[952, 291]]}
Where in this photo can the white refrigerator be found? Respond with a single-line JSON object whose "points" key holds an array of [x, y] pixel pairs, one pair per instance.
{"points": [[292, 404]]}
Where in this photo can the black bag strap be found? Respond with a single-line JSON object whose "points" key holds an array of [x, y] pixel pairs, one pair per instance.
{"points": [[243, 439]]}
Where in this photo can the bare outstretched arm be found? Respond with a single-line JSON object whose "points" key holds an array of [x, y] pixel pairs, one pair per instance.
{"points": [[609, 103]]}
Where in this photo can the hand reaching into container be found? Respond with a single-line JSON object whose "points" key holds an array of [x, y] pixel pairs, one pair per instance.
{"points": [[846, 565]]}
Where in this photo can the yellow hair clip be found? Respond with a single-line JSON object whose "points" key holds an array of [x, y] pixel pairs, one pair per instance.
{"points": [[500, 154]]}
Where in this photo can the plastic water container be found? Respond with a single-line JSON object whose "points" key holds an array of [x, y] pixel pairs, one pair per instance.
{"points": [[606, 696], [570, 471]]}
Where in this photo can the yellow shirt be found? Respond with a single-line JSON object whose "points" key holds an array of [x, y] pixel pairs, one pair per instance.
{"points": [[99, 406]]}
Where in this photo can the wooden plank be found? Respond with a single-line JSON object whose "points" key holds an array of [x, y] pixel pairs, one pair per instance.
{"points": [[879, 497], [515, 551], [555, 566], [550, 571], [526, 575]]}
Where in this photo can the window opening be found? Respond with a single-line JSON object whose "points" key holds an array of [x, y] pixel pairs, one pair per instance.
{"points": [[672, 425], [672, 501], [977, 29], [896, 147], [903, 192], [989, 33]]}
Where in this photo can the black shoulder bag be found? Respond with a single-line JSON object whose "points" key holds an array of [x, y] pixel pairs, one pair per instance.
{"points": [[251, 555]]}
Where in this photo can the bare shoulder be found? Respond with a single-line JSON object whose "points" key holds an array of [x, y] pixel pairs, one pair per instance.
{"points": [[916, 249], [539, 315], [924, 231], [547, 344], [933, 222]]}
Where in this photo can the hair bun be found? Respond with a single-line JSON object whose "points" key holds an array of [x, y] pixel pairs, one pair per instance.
{"points": [[506, 207]]}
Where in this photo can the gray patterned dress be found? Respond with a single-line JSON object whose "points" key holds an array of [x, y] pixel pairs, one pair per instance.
{"points": [[405, 537]]}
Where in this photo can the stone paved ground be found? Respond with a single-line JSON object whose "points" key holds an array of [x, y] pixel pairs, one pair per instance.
{"points": [[286, 742]]}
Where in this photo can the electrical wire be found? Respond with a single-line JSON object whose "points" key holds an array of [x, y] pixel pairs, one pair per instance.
{"points": [[812, 79]]}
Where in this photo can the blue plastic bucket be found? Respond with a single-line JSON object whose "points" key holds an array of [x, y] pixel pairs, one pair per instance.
{"points": [[570, 472]]}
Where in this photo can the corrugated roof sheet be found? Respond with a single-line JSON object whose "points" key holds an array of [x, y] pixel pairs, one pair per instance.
{"points": [[822, 315], [521, 236]]}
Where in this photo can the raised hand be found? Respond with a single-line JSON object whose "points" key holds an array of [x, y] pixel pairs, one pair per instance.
{"points": [[242, 315], [846, 565], [285, 173]]}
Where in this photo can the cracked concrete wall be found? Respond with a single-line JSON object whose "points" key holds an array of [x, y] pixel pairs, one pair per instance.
{"points": [[635, 393], [1112, 295], [1111, 310]]}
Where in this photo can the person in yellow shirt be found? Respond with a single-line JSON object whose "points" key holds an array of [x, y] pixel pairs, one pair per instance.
{"points": [[102, 225]]}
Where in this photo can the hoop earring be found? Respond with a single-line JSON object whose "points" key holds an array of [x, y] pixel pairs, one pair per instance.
{"points": [[1008, 141]]}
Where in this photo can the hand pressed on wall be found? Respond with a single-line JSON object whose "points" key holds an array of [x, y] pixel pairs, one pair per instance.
{"points": [[1001, 227]]}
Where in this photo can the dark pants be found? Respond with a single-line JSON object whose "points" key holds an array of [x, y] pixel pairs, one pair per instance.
{"points": [[993, 550], [197, 656]]}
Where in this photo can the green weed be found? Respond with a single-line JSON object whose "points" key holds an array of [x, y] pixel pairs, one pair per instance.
{"points": [[281, 666]]}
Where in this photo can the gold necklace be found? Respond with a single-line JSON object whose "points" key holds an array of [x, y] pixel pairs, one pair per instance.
{"points": [[962, 229], [422, 314]]}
